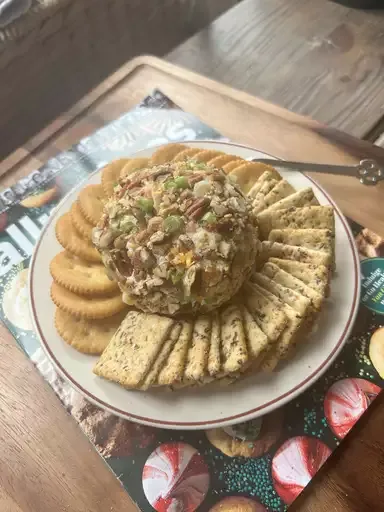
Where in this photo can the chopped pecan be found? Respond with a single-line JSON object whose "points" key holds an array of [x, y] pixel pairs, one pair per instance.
{"points": [[200, 204]]}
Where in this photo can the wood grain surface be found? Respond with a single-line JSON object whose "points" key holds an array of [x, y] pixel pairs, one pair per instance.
{"points": [[313, 57], [46, 462], [41, 444]]}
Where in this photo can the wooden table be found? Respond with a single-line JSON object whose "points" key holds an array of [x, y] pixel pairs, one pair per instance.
{"points": [[314, 57], [46, 462]]}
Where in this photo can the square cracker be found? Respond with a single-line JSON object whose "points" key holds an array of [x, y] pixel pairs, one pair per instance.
{"points": [[281, 276], [257, 341], [258, 202], [281, 190], [234, 346], [291, 252], [316, 239], [294, 299], [214, 358], [197, 357], [265, 178], [307, 217], [315, 276], [162, 357], [270, 319], [134, 348], [289, 337], [173, 369]]}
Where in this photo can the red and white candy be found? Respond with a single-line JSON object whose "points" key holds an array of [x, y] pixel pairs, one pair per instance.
{"points": [[345, 401], [175, 478], [295, 464]]}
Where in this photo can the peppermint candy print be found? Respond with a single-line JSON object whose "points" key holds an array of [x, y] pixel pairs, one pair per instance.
{"points": [[175, 478]]}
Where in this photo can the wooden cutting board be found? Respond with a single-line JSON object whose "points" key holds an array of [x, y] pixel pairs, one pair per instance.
{"points": [[47, 464]]}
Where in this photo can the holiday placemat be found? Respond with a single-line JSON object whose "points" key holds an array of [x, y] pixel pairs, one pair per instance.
{"points": [[257, 466]]}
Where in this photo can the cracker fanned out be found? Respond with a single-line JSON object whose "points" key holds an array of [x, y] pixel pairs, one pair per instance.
{"points": [[316, 239], [173, 370], [134, 348], [263, 181], [270, 319], [289, 337], [162, 357], [291, 252], [280, 191], [315, 276], [234, 346], [257, 341], [307, 217], [197, 357], [298, 302], [281, 276], [214, 357]]}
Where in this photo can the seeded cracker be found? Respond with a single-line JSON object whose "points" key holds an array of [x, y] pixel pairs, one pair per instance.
{"points": [[281, 190], [133, 350], [81, 277], [316, 239], [272, 271], [166, 153], [87, 336], [257, 341], [234, 346], [308, 217], [162, 357], [269, 318], [248, 173], [315, 276], [288, 337], [83, 307], [197, 358], [260, 192], [173, 370], [68, 237], [214, 358], [290, 252], [265, 178]]}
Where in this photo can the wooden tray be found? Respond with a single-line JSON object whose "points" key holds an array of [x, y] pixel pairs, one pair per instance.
{"points": [[65, 469], [237, 115]]}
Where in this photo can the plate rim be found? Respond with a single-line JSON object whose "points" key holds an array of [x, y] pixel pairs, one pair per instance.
{"points": [[277, 402]]}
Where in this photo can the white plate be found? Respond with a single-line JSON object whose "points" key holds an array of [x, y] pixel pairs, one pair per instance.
{"points": [[209, 406]]}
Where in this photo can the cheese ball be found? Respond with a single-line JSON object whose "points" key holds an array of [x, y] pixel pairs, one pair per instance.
{"points": [[178, 238]]}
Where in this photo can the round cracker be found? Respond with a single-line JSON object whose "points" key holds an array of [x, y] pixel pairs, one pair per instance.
{"points": [[38, 200], [186, 153], [111, 173], [376, 351], [88, 337], [247, 173], [134, 165], [91, 202], [68, 237], [221, 160], [166, 153], [86, 307], [227, 168], [205, 155], [80, 223], [82, 277]]}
